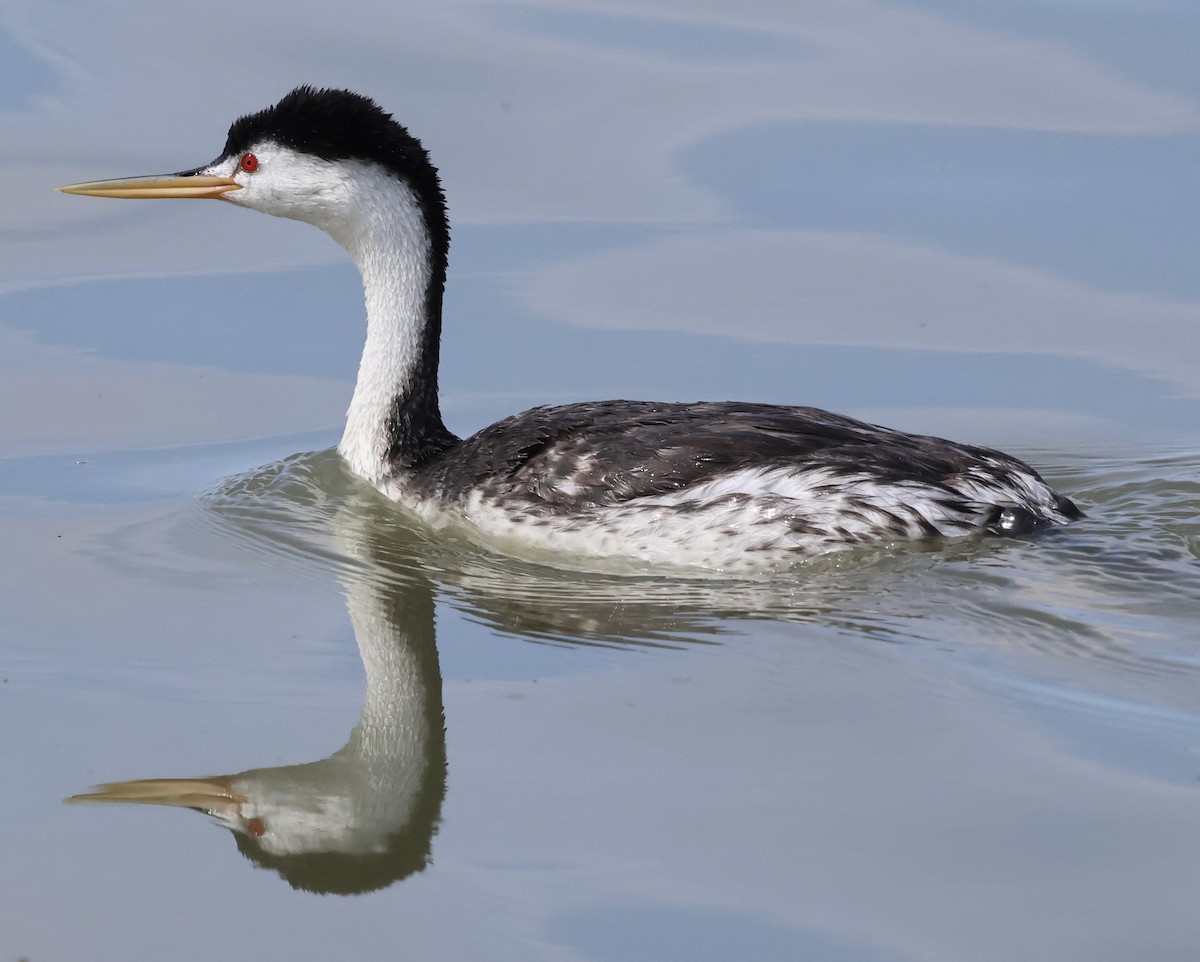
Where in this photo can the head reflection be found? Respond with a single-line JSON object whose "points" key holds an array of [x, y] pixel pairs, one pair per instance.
{"points": [[364, 817]]}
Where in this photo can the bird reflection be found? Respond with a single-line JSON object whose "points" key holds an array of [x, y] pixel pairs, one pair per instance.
{"points": [[365, 817]]}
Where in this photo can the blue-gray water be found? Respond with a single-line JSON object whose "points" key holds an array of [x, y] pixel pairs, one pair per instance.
{"points": [[977, 220]]}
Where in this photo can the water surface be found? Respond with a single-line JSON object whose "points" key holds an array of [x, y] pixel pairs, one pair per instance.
{"points": [[976, 221]]}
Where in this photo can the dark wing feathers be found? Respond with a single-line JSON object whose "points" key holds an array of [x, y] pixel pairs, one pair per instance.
{"points": [[569, 458]]}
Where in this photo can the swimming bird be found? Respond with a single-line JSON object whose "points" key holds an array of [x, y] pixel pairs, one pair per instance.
{"points": [[721, 485]]}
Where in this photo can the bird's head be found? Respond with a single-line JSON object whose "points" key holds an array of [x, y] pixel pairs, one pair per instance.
{"points": [[327, 157]]}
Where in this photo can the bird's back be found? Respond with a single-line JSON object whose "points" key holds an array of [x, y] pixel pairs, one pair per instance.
{"points": [[620, 475]]}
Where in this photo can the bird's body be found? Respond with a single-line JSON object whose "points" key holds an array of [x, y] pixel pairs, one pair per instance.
{"points": [[721, 485]]}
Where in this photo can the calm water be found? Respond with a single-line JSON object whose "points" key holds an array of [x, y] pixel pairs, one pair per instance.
{"points": [[974, 220]]}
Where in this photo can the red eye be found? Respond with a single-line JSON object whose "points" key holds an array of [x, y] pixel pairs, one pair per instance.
{"points": [[249, 163]]}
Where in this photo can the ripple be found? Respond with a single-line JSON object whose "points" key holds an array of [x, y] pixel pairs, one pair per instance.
{"points": [[1119, 589]]}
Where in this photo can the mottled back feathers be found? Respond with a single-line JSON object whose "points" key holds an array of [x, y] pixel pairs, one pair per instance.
{"points": [[580, 458]]}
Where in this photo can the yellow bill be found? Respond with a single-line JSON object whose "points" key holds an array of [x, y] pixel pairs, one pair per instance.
{"points": [[207, 794], [203, 186]]}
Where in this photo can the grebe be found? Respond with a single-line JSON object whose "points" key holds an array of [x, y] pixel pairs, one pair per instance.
{"points": [[722, 485]]}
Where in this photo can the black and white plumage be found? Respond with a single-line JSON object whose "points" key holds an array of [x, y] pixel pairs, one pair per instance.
{"points": [[721, 485]]}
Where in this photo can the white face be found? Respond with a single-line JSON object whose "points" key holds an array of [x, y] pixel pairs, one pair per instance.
{"points": [[278, 180], [356, 202]]}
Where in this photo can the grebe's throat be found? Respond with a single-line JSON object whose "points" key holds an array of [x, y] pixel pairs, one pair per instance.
{"points": [[398, 241]]}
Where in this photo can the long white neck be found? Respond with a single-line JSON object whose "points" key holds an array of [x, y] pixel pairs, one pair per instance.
{"points": [[393, 421]]}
